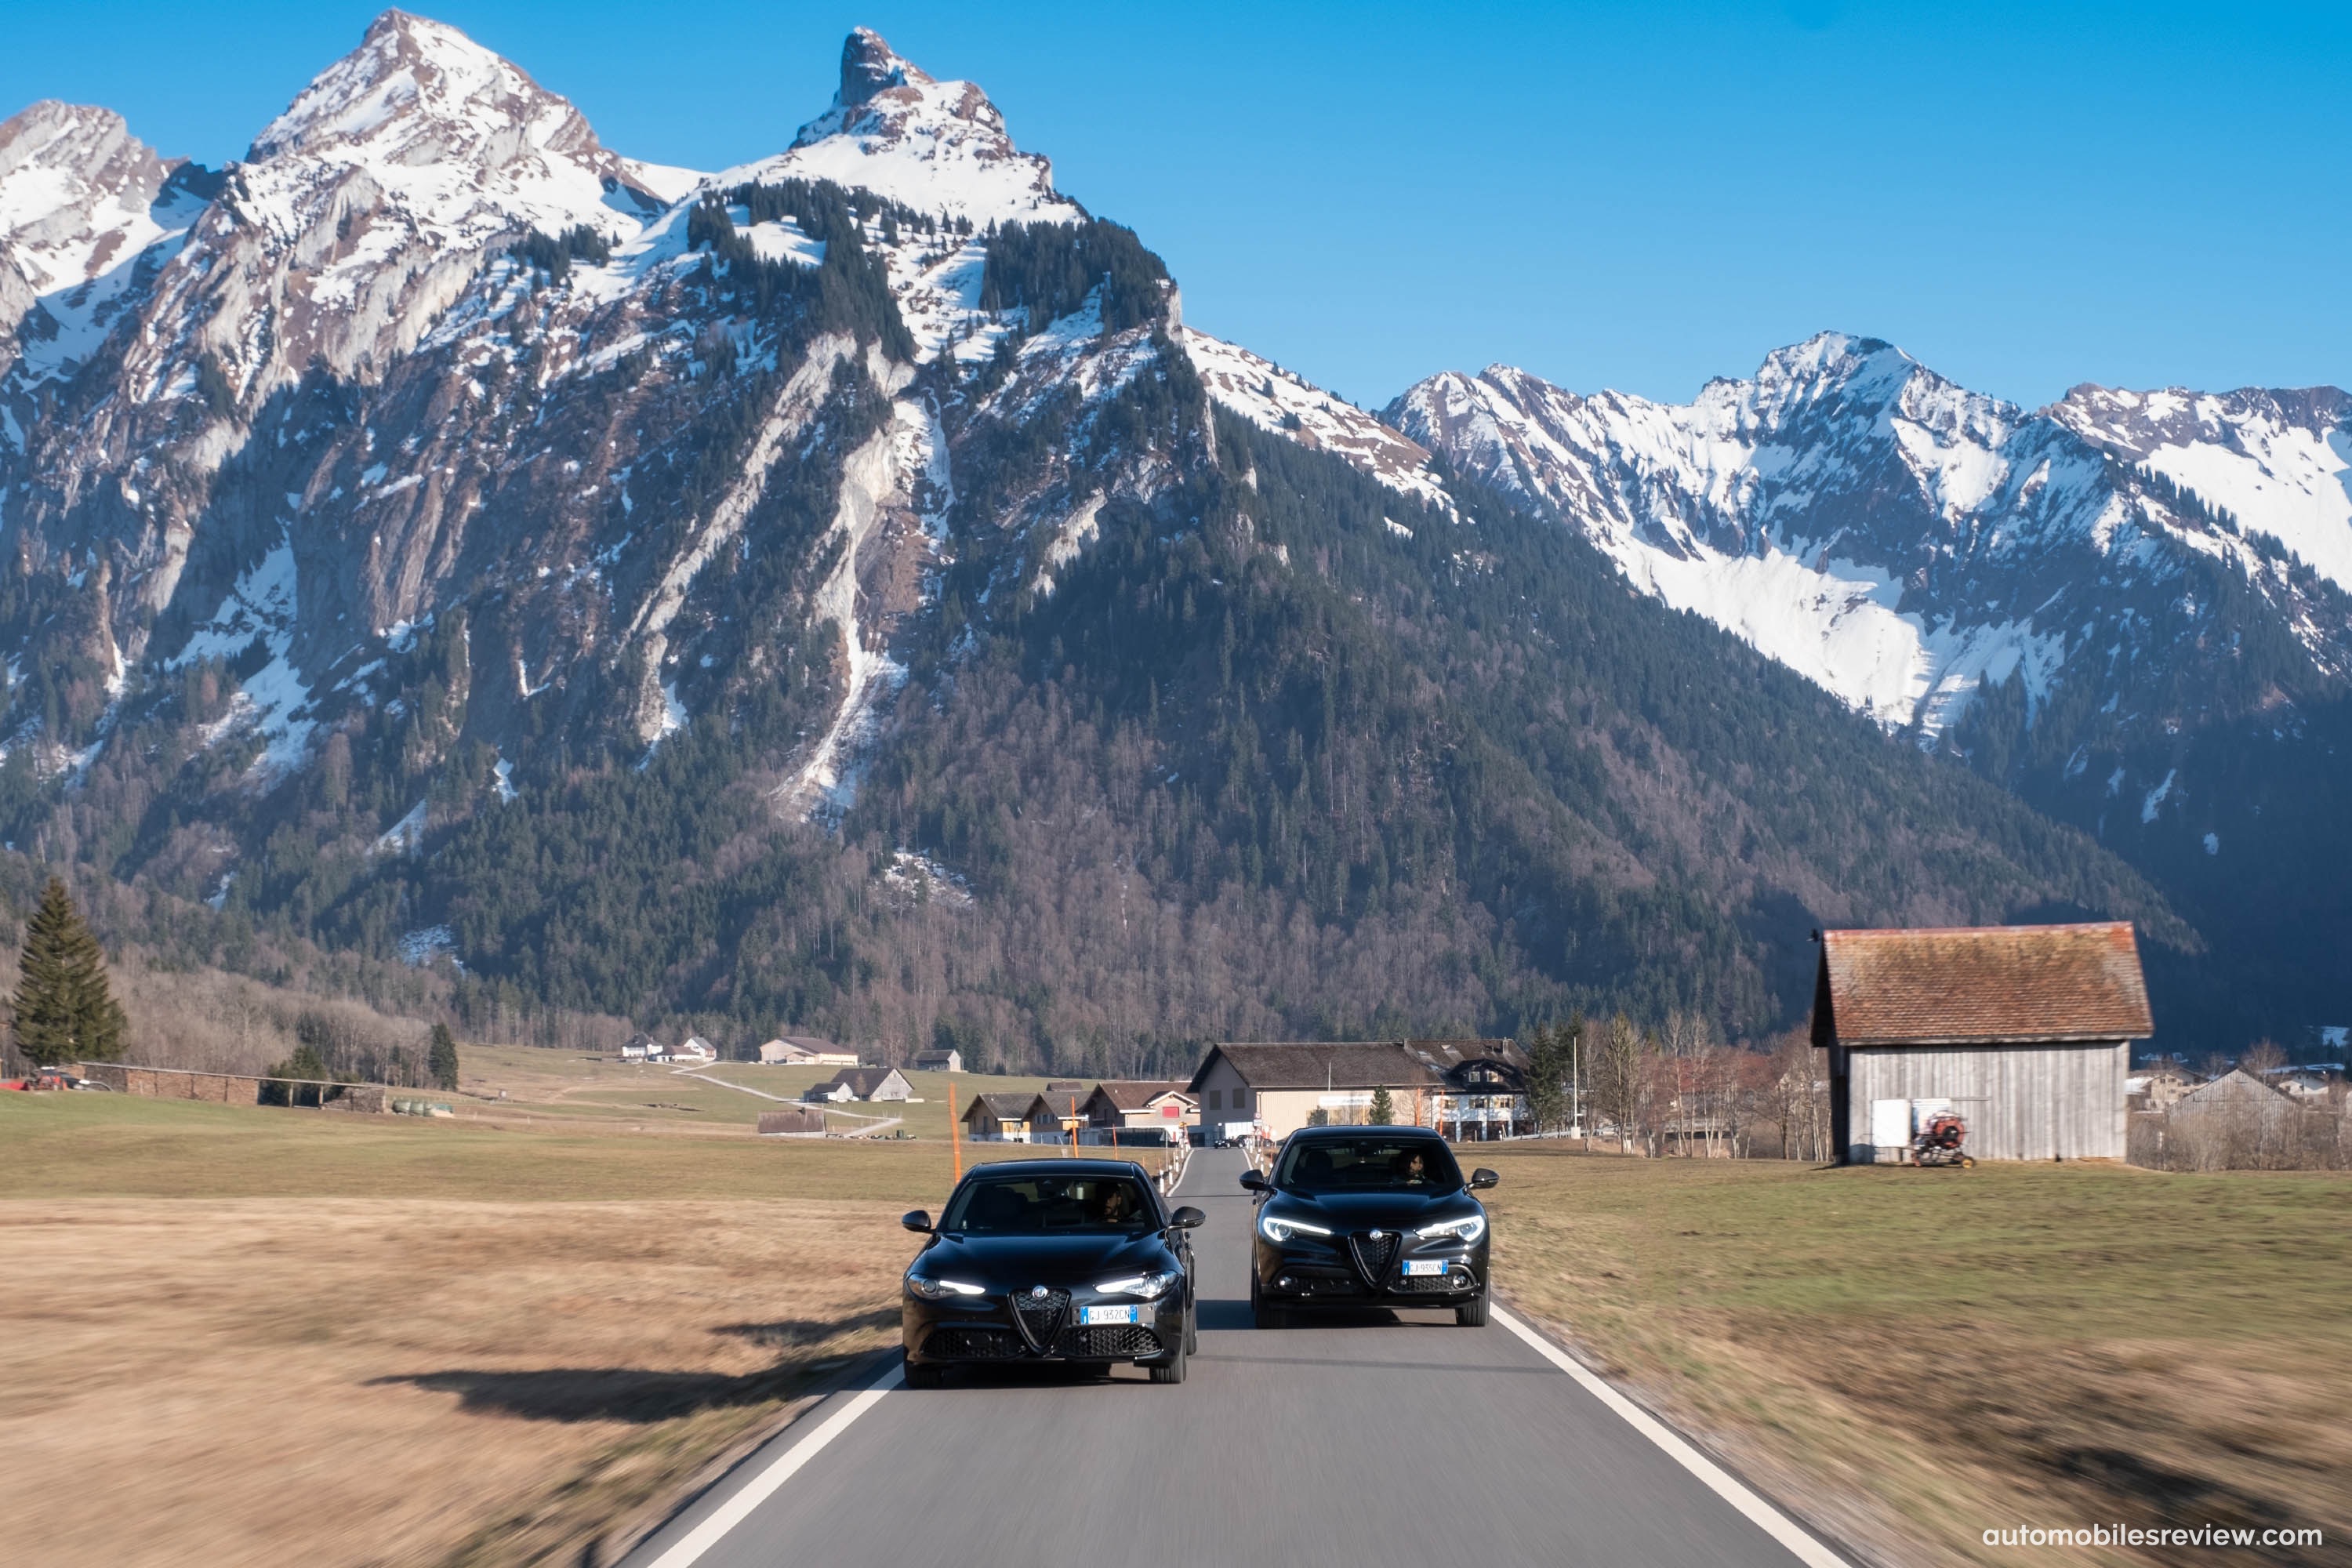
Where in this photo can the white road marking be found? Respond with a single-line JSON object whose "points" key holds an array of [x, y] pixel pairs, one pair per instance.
{"points": [[690, 1548], [1762, 1514]]}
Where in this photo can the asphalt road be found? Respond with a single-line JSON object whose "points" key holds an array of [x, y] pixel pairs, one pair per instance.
{"points": [[1389, 1438]]}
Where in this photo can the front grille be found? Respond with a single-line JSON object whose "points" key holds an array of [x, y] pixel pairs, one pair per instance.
{"points": [[1373, 1257], [1041, 1316], [1109, 1341], [1419, 1282], [1322, 1282], [973, 1344]]}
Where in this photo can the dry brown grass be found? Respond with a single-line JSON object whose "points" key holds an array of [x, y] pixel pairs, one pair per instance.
{"points": [[1913, 1357], [339, 1379]]}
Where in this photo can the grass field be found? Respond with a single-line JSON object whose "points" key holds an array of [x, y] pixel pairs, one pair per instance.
{"points": [[1917, 1356], [245, 1335]]}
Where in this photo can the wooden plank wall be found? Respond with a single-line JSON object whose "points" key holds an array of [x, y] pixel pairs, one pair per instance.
{"points": [[2021, 1102]]}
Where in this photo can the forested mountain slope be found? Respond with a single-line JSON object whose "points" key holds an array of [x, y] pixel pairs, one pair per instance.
{"points": [[840, 591]]}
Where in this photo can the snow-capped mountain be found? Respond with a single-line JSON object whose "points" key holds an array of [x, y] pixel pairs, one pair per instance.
{"points": [[1899, 538], [442, 534]]}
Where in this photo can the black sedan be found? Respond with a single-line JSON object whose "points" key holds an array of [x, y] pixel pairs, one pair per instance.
{"points": [[1368, 1216], [1076, 1261]]}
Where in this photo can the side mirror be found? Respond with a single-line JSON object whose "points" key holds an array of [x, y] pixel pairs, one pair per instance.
{"points": [[1482, 1177], [919, 1220], [1255, 1183], [1186, 1218]]}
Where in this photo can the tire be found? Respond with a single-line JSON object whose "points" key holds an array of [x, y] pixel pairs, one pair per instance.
{"points": [[1171, 1370], [1192, 1328], [924, 1374], [1471, 1314]]}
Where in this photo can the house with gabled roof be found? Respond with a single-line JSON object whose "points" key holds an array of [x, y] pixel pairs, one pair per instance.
{"points": [[1000, 1118], [1469, 1087], [1137, 1103], [2023, 1032], [862, 1083]]}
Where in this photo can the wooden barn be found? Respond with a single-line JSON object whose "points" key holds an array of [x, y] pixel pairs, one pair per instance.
{"points": [[2024, 1032]]}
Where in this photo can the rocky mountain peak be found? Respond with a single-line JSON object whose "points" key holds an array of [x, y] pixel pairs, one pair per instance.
{"points": [[936, 145], [418, 93], [869, 66]]}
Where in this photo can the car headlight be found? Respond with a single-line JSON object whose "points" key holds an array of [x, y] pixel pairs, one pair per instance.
{"points": [[939, 1290], [1144, 1285], [1281, 1230], [1469, 1228]]}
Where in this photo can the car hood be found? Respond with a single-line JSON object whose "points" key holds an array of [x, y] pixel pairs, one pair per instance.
{"points": [[1359, 1211], [1017, 1262]]}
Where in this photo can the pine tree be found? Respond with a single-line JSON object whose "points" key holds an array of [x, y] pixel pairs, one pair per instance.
{"points": [[1383, 1109], [442, 1060], [65, 1010]]}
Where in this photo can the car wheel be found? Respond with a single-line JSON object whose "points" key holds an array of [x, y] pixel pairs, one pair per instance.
{"points": [[1471, 1314], [924, 1374], [1171, 1370], [1192, 1328]]}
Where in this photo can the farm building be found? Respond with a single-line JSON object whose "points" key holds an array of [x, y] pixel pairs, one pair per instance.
{"points": [[938, 1061], [1009, 1118], [1139, 1103], [2024, 1032], [806, 1051], [695, 1049], [1470, 1088], [861, 1083], [793, 1121], [641, 1047]]}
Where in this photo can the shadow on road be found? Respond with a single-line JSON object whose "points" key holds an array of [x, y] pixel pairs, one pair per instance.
{"points": [[1232, 1314], [789, 1331], [604, 1393]]}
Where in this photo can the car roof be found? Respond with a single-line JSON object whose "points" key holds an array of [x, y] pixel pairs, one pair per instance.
{"points": [[1048, 1167], [1318, 1134]]}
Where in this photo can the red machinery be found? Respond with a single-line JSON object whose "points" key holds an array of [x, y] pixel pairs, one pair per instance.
{"points": [[1938, 1142]]}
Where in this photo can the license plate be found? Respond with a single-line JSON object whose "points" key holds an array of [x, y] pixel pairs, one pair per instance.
{"points": [[1100, 1315], [1424, 1265]]}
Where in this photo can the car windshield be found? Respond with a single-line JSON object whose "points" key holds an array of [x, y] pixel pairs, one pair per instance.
{"points": [[1029, 1206], [1373, 1163]]}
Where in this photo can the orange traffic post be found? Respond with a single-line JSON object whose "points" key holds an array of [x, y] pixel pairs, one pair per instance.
{"points": [[1074, 1127], [955, 1133]]}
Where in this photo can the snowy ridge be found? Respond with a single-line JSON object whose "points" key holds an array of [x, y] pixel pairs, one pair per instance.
{"points": [[1862, 519], [1273, 399], [2281, 461]]}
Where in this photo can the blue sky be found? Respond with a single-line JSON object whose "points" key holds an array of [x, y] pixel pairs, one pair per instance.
{"points": [[1637, 196]]}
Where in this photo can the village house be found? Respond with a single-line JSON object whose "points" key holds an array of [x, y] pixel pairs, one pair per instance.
{"points": [[2023, 1032], [1139, 1103], [806, 1051], [1468, 1089], [861, 1084], [640, 1047], [695, 1049], [2159, 1085], [938, 1061], [995, 1118]]}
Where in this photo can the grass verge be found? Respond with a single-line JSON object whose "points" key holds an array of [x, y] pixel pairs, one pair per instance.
{"points": [[1913, 1357]]}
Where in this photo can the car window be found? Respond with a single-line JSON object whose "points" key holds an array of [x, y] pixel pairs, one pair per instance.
{"points": [[1015, 1205], [1373, 1163]]}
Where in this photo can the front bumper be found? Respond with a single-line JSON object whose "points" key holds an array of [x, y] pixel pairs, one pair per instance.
{"points": [[1307, 1271], [992, 1331]]}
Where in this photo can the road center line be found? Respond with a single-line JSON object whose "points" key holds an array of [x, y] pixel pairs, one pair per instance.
{"points": [[1758, 1512], [690, 1548]]}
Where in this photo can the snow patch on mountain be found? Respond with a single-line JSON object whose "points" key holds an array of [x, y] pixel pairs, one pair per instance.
{"points": [[275, 701], [88, 214], [1273, 399]]}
